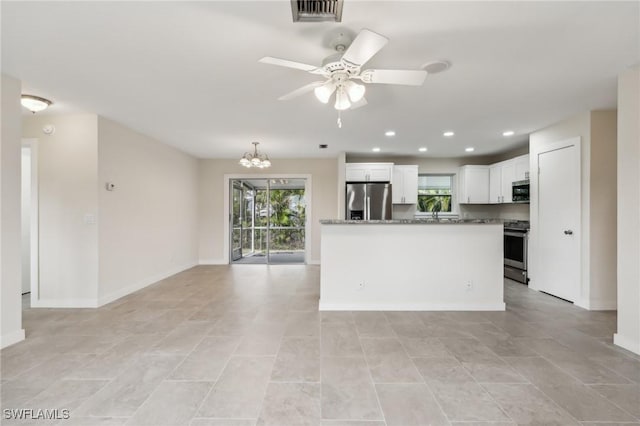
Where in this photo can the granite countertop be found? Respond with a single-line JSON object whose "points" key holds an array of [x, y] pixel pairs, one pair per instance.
{"points": [[425, 221]]}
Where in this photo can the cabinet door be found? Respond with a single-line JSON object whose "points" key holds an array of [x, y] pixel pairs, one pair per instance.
{"points": [[474, 182], [397, 185], [411, 185], [522, 168], [508, 177], [495, 184], [356, 172], [380, 173]]}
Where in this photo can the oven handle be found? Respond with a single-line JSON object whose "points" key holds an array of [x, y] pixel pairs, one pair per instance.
{"points": [[516, 234]]}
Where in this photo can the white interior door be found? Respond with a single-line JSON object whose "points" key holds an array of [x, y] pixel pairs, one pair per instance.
{"points": [[559, 222]]}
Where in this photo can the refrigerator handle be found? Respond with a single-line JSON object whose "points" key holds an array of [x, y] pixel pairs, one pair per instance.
{"points": [[368, 213]]}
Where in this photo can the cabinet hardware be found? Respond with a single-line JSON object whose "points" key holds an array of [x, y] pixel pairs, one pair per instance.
{"points": [[568, 232]]}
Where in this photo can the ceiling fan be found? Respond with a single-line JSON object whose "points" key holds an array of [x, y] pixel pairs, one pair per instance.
{"points": [[341, 69]]}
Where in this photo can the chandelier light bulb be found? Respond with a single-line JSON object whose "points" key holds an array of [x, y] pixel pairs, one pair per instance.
{"points": [[255, 159], [342, 100]]}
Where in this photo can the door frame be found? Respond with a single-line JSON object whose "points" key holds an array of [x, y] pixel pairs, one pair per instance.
{"points": [[534, 253], [32, 144], [227, 208]]}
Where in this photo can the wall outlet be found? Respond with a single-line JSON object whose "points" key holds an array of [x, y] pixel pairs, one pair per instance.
{"points": [[469, 285]]}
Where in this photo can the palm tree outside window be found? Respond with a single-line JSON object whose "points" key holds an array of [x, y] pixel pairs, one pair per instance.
{"points": [[435, 193]]}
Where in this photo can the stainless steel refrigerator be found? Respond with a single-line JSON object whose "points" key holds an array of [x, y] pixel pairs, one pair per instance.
{"points": [[368, 201]]}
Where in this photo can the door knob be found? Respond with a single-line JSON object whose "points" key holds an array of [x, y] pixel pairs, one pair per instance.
{"points": [[568, 232]]}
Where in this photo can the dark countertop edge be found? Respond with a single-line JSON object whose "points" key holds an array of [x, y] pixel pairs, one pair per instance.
{"points": [[414, 222]]}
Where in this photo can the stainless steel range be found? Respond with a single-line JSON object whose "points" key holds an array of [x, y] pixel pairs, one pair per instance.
{"points": [[515, 250]]}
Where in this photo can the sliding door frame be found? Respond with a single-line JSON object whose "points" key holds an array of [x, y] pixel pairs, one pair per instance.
{"points": [[227, 208]]}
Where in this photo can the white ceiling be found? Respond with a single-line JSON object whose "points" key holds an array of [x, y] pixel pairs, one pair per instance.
{"points": [[187, 74]]}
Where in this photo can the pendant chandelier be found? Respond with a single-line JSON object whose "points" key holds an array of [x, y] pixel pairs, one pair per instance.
{"points": [[255, 159]]}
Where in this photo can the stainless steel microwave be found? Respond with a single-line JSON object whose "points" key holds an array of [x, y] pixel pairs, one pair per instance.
{"points": [[520, 191]]}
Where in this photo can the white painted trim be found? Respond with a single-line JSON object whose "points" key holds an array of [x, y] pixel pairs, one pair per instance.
{"points": [[142, 284], [626, 343], [597, 305], [313, 262], [35, 221], [65, 303], [308, 196], [412, 307], [212, 262], [12, 338]]}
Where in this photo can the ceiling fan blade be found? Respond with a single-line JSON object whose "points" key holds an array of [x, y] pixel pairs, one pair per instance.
{"points": [[301, 91], [362, 102], [406, 77], [366, 44], [289, 64]]}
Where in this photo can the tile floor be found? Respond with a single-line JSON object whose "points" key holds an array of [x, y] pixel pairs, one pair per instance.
{"points": [[245, 345]]}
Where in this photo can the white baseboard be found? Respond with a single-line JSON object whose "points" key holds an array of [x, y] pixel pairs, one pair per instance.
{"points": [[11, 338], [411, 307], [142, 284], [597, 305], [64, 303], [212, 262], [626, 343]]}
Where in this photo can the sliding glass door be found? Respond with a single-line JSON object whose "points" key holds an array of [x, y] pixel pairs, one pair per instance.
{"points": [[268, 220]]}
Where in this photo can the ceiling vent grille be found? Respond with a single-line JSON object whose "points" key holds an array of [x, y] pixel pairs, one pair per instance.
{"points": [[316, 10]]}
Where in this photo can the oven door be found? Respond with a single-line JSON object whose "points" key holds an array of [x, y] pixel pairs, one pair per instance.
{"points": [[515, 249]]}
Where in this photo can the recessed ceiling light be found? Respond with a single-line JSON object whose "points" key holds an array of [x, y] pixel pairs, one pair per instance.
{"points": [[423, 149], [448, 133], [470, 149], [508, 133], [376, 149], [390, 133]]}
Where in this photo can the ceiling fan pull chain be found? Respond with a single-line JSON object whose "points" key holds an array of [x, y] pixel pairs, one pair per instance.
{"points": [[339, 120]]}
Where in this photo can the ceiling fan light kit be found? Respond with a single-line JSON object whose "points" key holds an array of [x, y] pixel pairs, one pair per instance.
{"points": [[342, 68]]}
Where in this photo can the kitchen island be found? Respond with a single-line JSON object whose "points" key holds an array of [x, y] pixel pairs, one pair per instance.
{"points": [[412, 265]]}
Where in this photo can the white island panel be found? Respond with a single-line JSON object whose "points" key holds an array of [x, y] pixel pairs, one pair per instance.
{"points": [[414, 267]]}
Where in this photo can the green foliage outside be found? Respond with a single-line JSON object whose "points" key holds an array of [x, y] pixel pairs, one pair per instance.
{"points": [[286, 210], [434, 200]]}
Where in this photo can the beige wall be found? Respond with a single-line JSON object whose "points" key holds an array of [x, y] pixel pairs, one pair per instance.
{"points": [[148, 224], [10, 266], [628, 267], [68, 201], [597, 132], [324, 202], [603, 207]]}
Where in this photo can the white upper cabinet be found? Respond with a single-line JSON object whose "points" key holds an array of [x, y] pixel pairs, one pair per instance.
{"points": [[521, 167], [508, 176], [495, 183], [368, 172], [474, 185], [405, 185]]}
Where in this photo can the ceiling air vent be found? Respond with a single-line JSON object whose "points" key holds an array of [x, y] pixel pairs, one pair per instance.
{"points": [[316, 10]]}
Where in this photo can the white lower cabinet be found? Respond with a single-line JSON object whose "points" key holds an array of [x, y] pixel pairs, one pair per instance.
{"points": [[404, 187], [473, 183]]}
